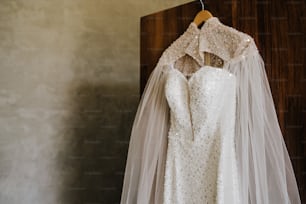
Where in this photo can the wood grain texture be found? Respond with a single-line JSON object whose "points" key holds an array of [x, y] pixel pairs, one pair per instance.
{"points": [[279, 30]]}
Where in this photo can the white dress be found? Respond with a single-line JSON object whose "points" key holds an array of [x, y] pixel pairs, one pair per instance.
{"points": [[206, 131], [200, 155]]}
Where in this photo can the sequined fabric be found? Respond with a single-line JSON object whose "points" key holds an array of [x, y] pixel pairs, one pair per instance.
{"points": [[197, 131], [213, 38]]}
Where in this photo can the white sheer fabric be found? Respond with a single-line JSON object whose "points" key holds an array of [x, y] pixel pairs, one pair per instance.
{"points": [[143, 181], [265, 172], [265, 167]]}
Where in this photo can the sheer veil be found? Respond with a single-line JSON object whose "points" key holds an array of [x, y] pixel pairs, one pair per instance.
{"points": [[266, 173], [144, 173]]}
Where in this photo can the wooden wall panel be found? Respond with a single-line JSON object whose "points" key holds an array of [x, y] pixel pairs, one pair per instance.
{"points": [[279, 30]]}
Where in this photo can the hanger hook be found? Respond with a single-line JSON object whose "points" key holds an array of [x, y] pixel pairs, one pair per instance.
{"points": [[202, 3]]}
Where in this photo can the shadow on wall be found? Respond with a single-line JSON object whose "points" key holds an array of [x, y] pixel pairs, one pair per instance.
{"points": [[96, 143]]}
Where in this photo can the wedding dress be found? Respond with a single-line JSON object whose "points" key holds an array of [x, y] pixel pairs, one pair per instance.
{"points": [[201, 163], [206, 129]]}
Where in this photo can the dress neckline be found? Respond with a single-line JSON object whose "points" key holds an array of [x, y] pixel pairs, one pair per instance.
{"points": [[197, 72]]}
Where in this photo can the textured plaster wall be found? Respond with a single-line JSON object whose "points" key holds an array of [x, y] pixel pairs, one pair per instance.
{"points": [[69, 76]]}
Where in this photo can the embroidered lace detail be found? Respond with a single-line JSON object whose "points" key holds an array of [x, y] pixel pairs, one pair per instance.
{"points": [[213, 60], [225, 43], [188, 65], [196, 135]]}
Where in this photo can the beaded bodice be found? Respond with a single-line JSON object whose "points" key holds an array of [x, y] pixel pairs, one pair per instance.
{"points": [[199, 108], [196, 103]]}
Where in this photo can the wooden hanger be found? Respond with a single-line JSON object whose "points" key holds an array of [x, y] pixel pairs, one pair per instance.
{"points": [[202, 16]]}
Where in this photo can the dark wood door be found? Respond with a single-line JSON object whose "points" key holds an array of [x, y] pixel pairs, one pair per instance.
{"points": [[279, 29]]}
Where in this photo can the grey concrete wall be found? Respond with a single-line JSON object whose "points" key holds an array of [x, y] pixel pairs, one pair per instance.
{"points": [[69, 76]]}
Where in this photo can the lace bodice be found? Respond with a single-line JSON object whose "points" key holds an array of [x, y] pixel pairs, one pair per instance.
{"points": [[196, 103], [202, 115]]}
